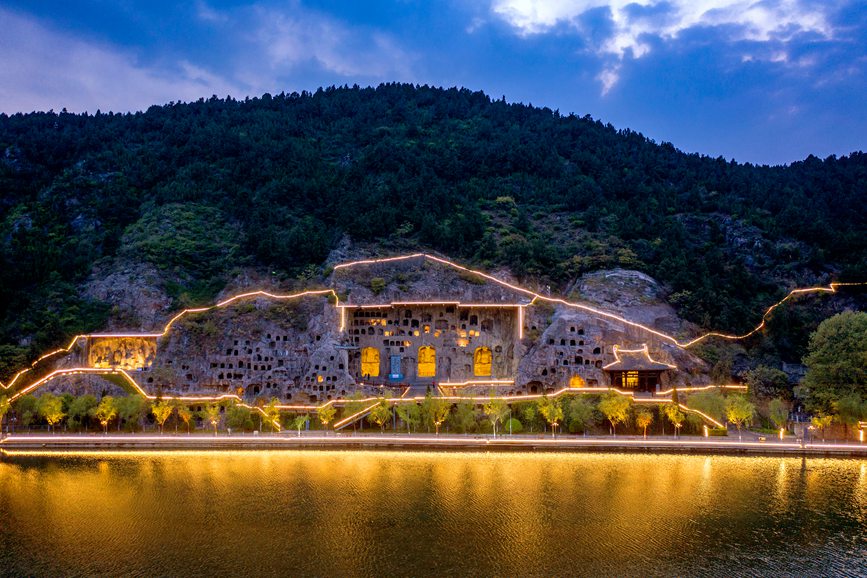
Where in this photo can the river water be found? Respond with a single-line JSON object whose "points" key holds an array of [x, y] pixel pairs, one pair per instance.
{"points": [[341, 513]]}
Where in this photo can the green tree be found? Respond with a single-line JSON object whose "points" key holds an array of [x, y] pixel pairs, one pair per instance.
{"points": [[239, 417], [80, 410], [778, 412], [615, 407], [552, 411], [495, 410], [739, 411], [272, 414], [675, 416], [211, 415], [26, 407], [380, 414], [850, 410], [766, 382], [186, 415], [440, 410], [4, 408], [580, 413], [298, 423], [712, 403], [529, 413], [355, 404], [130, 410], [836, 361], [821, 423], [326, 414], [434, 411], [162, 411], [106, 411], [410, 414], [643, 419], [50, 409], [464, 417]]}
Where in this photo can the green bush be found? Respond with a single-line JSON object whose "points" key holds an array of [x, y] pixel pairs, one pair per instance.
{"points": [[377, 285], [718, 432], [515, 424]]}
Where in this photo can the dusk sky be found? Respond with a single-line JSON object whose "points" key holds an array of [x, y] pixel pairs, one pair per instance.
{"points": [[763, 82]]}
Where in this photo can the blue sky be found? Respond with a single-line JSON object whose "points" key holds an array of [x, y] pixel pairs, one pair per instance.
{"points": [[766, 81]]}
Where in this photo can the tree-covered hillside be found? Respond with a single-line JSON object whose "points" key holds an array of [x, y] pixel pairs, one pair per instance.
{"points": [[201, 188]]}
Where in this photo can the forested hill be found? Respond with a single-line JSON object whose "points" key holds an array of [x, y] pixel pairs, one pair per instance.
{"points": [[202, 188]]}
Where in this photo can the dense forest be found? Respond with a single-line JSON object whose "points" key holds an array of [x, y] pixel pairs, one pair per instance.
{"points": [[201, 189]]}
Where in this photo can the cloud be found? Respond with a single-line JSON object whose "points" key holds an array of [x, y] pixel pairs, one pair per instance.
{"points": [[608, 78], [634, 25], [42, 69], [295, 37], [261, 48], [205, 13]]}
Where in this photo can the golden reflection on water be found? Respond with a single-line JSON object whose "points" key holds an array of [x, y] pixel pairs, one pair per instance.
{"points": [[361, 513]]}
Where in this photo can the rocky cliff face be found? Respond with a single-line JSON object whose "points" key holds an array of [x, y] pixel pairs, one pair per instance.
{"points": [[135, 291], [295, 350]]}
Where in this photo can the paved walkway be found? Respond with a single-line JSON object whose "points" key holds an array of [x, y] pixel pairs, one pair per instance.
{"points": [[316, 440]]}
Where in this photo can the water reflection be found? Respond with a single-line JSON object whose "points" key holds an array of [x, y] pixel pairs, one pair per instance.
{"points": [[363, 513]]}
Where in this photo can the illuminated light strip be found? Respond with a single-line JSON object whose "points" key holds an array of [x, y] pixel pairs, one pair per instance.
{"points": [[376, 261], [314, 408], [120, 335], [643, 350], [701, 388], [46, 356], [521, 322], [352, 418], [138, 388], [443, 440], [477, 382], [832, 288], [702, 414], [413, 303], [171, 322], [231, 300]]}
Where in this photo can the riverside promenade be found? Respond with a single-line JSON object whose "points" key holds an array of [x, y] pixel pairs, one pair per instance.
{"points": [[18, 444]]}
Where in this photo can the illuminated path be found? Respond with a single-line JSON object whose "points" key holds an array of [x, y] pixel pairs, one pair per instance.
{"points": [[99, 443]]}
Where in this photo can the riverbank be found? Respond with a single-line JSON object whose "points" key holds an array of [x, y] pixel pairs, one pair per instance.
{"points": [[29, 444]]}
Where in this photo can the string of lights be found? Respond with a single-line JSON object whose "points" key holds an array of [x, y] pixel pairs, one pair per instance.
{"points": [[832, 288]]}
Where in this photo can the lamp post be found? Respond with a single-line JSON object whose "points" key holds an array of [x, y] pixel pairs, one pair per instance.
{"points": [[510, 422]]}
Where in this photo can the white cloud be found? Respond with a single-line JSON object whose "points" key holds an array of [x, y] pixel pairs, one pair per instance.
{"points": [[42, 69], [206, 13], [293, 37], [635, 22], [608, 78]]}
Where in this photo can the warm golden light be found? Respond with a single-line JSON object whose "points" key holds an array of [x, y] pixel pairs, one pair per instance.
{"points": [[370, 362], [427, 361], [482, 361], [831, 288]]}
